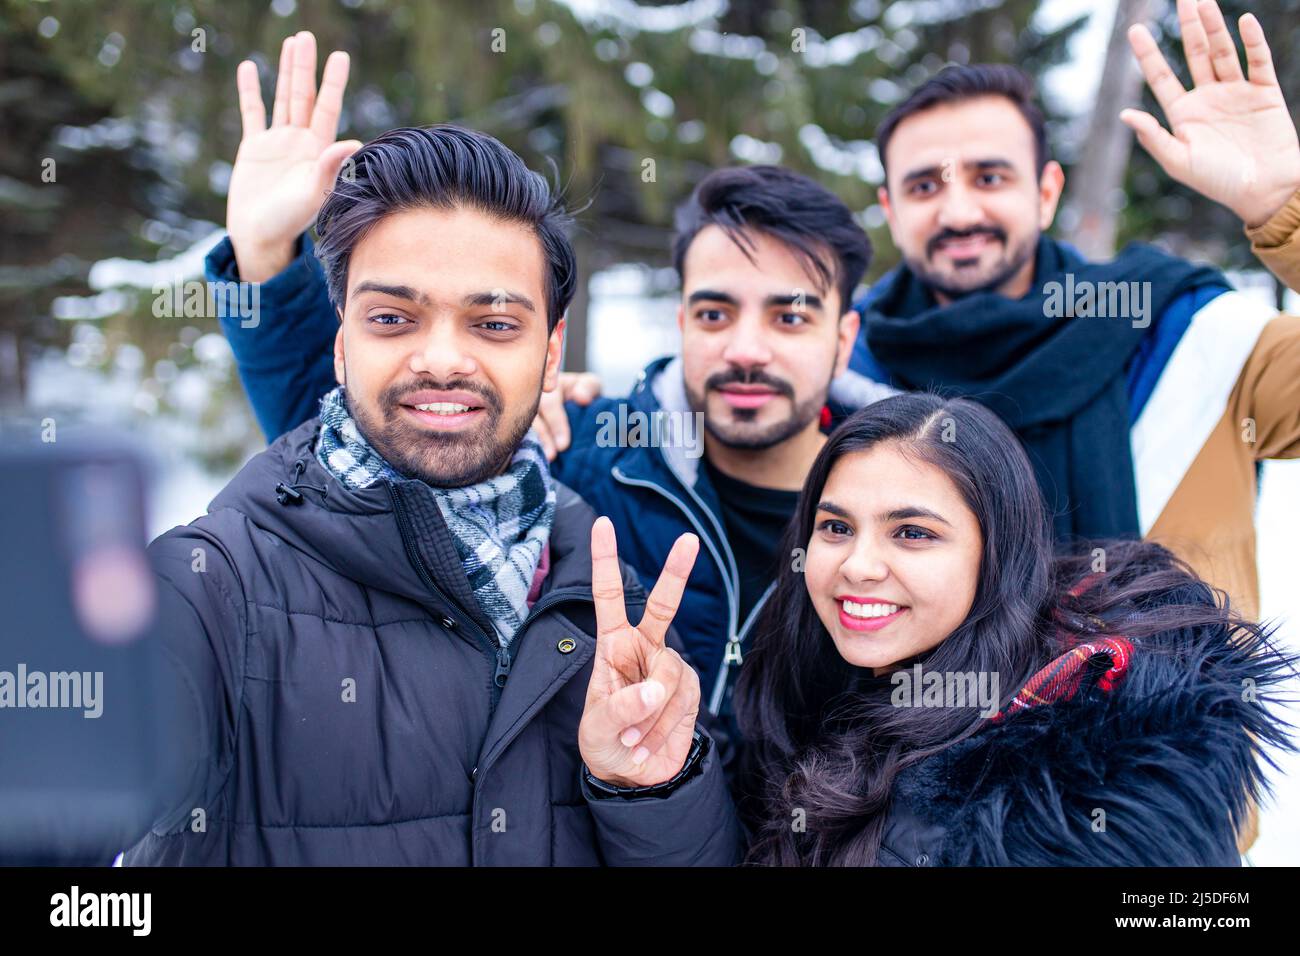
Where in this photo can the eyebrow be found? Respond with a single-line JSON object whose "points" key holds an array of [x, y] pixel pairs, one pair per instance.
{"points": [[470, 301], [499, 295], [809, 301], [894, 514], [712, 295], [396, 291], [980, 165]]}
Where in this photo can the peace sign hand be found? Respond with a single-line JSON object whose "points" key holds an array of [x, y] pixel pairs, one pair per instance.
{"points": [[639, 720], [1232, 137]]}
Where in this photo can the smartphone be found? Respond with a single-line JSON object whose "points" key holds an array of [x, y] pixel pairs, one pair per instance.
{"points": [[79, 677]]}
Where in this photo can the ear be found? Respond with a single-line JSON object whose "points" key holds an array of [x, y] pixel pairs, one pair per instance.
{"points": [[340, 373], [681, 318], [850, 324], [882, 196], [554, 355], [1050, 186]]}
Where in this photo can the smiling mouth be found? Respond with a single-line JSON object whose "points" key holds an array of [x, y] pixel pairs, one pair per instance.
{"points": [[965, 247], [446, 408], [871, 616], [444, 415]]}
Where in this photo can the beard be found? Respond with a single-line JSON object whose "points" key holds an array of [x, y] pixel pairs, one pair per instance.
{"points": [[442, 459], [955, 284], [743, 431]]}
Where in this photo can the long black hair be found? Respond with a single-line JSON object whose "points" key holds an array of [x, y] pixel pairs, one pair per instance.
{"points": [[824, 742]]}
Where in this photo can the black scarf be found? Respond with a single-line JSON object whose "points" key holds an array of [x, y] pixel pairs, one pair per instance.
{"points": [[1059, 380]]}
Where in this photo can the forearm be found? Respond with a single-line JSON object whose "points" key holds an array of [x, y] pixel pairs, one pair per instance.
{"points": [[284, 349], [197, 662]]}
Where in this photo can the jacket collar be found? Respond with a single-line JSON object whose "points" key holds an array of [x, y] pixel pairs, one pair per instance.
{"points": [[662, 387], [356, 532]]}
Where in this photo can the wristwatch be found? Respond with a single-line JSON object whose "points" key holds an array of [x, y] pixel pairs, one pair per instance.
{"points": [[693, 766]]}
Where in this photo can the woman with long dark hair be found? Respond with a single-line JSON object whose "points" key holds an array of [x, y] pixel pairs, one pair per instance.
{"points": [[930, 685]]}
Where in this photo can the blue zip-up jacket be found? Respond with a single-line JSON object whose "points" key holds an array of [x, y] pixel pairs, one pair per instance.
{"points": [[652, 495]]}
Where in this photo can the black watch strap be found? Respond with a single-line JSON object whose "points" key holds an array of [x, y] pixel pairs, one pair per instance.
{"points": [[693, 766]]}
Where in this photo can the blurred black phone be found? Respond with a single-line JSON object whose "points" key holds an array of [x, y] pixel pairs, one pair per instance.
{"points": [[79, 681]]}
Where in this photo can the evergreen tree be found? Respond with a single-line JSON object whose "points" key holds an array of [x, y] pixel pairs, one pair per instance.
{"points": [[629, 104]]}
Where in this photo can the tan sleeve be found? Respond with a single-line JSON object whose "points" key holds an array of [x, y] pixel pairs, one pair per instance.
{"points": [[1267, 393], [1276, 243]]}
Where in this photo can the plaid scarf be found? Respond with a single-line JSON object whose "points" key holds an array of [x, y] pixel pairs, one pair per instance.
{"points": [[500, 526], [1105, 659]]}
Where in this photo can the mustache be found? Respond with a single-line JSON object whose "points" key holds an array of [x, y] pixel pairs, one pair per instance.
{"points": [[943, 235], [738, 376], [394, 394]]}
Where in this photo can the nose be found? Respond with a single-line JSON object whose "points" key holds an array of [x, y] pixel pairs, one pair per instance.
{"points": [[960, 209], [747, 345], [442, 352], [866, 563]]}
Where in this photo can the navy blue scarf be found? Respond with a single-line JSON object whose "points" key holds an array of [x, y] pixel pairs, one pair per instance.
{"points": [[1059, 380]]}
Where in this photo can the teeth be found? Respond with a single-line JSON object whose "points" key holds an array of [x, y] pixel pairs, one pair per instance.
{"points": [[443, 408], [854, 609]]}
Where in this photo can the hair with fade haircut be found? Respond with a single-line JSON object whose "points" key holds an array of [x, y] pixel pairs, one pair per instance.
{"points": [[956, 84], [802, 214], [443, 167]]}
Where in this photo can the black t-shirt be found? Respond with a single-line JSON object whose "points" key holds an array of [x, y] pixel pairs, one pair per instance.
{"points": [[755, 519]]}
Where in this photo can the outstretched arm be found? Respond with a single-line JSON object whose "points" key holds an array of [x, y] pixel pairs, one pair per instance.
{"points": [[281, 176]]}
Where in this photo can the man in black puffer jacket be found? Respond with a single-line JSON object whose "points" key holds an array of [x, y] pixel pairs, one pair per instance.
{"points": [[384, 632]]}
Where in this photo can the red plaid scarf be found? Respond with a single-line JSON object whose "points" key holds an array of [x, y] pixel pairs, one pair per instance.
{"points": [[1060, 679]]}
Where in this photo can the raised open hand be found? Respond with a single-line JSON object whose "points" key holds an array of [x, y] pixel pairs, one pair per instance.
{"points": [[282, 173], [1233, 139], [642, 700]]}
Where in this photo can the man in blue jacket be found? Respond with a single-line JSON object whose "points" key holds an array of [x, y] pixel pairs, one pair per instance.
{"points": [[397, 638], [715, 442]]}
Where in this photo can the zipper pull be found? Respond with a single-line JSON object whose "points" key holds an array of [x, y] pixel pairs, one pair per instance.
{"points": [[503, 666], [733, 653]]}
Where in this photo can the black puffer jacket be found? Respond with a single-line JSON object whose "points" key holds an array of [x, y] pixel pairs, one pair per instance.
{"points": [[1154, 772], [342, 704]]}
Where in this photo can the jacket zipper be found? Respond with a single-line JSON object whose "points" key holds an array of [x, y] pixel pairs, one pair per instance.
{"points": [[497, 653], [500, 654], [733, 601], [544, 603], [733, 655]]}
